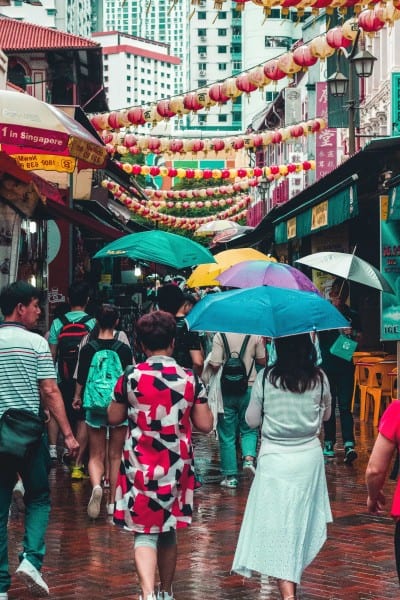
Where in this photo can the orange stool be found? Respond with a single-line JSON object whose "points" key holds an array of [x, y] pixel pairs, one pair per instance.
{"points": [[380, 389], [364, 379]]}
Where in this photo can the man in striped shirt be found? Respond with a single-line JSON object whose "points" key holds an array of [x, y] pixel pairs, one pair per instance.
{"points": [[28, 381]]}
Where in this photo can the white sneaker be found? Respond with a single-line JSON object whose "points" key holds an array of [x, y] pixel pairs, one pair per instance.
{"points": [[93, 509], [32, 578], [110, 509], [53, 452], [19, 488], [164, 596], [149, 597]]}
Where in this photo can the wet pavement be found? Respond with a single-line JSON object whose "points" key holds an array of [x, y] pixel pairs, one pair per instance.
{"points": [[93, 560]]}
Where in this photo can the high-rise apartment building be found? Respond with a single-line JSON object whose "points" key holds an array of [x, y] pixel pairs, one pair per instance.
{"points": [[72, 16], [154, 20]]}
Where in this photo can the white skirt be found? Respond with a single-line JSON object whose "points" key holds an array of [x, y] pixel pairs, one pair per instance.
{"points": [[284, 524]]}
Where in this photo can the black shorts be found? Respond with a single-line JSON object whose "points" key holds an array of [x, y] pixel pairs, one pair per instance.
{"points": [[67, 389]]}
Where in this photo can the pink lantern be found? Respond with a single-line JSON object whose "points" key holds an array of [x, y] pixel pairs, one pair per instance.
{"points": [[130, 140], [113, 120], [176, 105], [237, 143], [257, 77], [176, 146], [244, 84], [257, 140], [135, 116], [164, 109], [272, 71], [198, 146], [217, 144], [287, 64], [191, 102], [336, 39], [302, 56], [100, 122], [276, 137], [153, 144], [369, 21], [217, 95]]}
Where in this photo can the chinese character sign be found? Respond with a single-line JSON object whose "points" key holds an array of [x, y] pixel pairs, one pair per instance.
{"points": [[326, 142]]}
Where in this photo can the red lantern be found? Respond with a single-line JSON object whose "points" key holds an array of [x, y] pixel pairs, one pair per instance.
{"points": [[172, 172], [217, 95], [306, 165], [291, 168], [242, 173], [154, 171], [238, 143], [272, 71], [176, 145], [113, 120], [369, 21], [276, 137], [136, 116], [207, 174], [164, 109], [257, 140], [225, 174], [244, 84], [274, 169], [189, 173], [198, 146], [191, 102], [286, 4], [336, 39], [258, 172], [153, 144], [130, 140], [217, 144], [99, 122], [302, 56], [136, 169]]}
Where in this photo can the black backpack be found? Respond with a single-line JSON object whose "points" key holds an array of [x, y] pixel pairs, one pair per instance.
{"points": [[69, 339], [234, 377]]}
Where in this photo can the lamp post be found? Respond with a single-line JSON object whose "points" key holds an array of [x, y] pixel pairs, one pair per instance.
{"points": [[360, 61], [263, 189]]}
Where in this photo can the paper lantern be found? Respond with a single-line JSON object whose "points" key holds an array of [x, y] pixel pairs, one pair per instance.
{"points": [[204, 99], [267, 137], [229, 88], [143, 144], [130, 140], [320, 48], [350, 29], [272, 71], [257, 172], [276, 137], [154, 171], [257, 77], [197, 146], [191, 102], [136, 116], [257, 140], [240, 4], [287, 64], [100, 122], [287, 4], [113, 121], [244, 84], [187, 145], [217, 173], [153, 144], [302, 56], [387, 12], [237, 143], [336, 39], [176, 146], [217, 95], [177, 106], [164, 109], [369, 21], [217, 144], [151, 115], [318, 4]]}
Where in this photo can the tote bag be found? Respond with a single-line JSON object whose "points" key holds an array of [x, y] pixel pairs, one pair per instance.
{"points": [[343, 347]]}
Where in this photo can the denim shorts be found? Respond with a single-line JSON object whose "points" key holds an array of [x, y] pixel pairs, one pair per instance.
{"points": [[97, 420]]}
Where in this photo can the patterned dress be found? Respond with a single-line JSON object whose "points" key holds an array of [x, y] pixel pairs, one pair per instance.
{"points": [[156, 479]]}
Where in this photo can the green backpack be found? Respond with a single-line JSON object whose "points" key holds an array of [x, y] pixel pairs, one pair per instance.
{"points": [[105, 368]]}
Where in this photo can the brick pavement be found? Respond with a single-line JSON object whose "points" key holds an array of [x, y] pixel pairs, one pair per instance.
{"points": [[93, 560]]}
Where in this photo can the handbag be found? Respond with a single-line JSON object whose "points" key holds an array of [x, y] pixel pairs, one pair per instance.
{"points": [[20, 431], [343, 347]]}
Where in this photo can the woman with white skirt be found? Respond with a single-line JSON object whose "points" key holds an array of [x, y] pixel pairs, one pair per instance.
{"points": [[284, 525]]}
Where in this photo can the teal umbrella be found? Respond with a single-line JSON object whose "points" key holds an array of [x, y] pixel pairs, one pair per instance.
{"points": [[159, 247]]}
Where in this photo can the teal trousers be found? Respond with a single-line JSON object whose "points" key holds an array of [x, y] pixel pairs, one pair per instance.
{"points": [[231, 427], [34, 472]]}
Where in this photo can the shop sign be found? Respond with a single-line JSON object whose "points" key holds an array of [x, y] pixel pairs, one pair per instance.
{"points": [[390, 268], [326, 140], [319, 215], [291, 228], [45, 162]]}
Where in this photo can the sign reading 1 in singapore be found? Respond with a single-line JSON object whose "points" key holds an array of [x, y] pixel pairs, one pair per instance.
{"points": [[390, 266]]}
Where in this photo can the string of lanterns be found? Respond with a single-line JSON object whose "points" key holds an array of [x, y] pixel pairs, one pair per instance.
{"points": [[199, 193], [241, 173], [130, 143], [285, 65]]}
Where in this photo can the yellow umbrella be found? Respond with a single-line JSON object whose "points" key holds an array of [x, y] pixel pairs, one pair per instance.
{"points": [[204, 275]]}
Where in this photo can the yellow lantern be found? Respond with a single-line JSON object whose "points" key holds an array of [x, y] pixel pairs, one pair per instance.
{"points": [[320, 48], [204, 99], [187, 145], [232, 173], [229, 88], [122, 150], [216, 173], [163, 171], [267, 137], [127, 168], [145, 170], [142, 143], [350, 28], [181, 173], [177, 106], [283, 170], [198, 174]]}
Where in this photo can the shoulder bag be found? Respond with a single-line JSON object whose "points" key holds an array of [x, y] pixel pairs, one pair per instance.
{"points": [[20, 432], [343, 347]]}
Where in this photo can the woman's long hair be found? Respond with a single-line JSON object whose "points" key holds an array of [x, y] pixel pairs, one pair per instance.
{"points": [[295, 368]]}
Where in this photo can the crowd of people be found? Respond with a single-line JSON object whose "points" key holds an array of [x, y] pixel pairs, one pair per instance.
{"points": [[123, 415]]}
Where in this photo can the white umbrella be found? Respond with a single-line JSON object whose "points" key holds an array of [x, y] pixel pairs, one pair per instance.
{"points": [[347, 266], [212, 227]]}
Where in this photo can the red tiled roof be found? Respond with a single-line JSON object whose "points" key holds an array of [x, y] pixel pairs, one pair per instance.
{"points": [[21, 36]]}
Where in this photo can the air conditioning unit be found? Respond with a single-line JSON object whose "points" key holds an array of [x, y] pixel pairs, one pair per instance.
{"points": [[203, 55], [203, 38], [202, 73]]}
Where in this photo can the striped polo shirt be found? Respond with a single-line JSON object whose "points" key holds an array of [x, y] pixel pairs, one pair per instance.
{"points": [[25, 359]]}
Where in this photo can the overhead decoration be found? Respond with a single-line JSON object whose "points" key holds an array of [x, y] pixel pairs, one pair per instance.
{"points": [[273, 70], [241, 173], [136, 144], [298, 5]]}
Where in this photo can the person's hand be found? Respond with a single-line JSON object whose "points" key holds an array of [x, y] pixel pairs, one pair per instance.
{"points": [[72, 445], [76, 403], [46, 415], [376, 506]]}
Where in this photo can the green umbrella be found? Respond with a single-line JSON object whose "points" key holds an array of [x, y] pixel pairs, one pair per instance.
{"points": [[159, 247]]}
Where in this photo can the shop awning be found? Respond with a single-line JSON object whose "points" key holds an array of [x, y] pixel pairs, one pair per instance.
{"points": [[336, 205]]}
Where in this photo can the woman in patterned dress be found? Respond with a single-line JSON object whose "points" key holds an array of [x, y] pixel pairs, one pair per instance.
{"points": [[155, 485]]}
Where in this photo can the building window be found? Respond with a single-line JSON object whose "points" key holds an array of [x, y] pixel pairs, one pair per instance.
{"points": [[270, 96], [202, 119], [237, 65], [202, 32], [277, 42], [222, 32], [222, 118], [236, 117], [222, 14], [128, 77], [202, 50], [222, 49], [236, 49], [202, 15], [222, 67], [105, 67], [201, 82], [202, 66]]}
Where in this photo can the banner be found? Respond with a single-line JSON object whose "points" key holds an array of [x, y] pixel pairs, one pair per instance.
{"points": [[390, 268]]}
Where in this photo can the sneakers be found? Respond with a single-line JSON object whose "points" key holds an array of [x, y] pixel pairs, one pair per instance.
{"points": [[53, 453], [328, 450], [106, 483], [164, 596], [350, 454], [78, 473], [148, 597], [32, 578], [93, 508], [249, 465], [229, 482], [18, 495], [110, 509]]}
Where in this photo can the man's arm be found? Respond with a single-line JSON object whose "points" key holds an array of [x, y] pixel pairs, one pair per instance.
{"points": [[197, 361], [376, 472], [52, 400]]}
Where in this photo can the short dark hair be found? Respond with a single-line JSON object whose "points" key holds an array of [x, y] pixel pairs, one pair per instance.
{"points": [[107, 315], [170, 298], [19, 292], [78, 293], [156, 330]]}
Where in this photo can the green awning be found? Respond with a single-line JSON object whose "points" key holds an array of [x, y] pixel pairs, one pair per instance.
{"points": [[322, 212]]}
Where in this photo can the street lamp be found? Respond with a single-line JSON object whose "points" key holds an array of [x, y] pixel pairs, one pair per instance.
{"points": [[339, 85], [263, 189]]}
